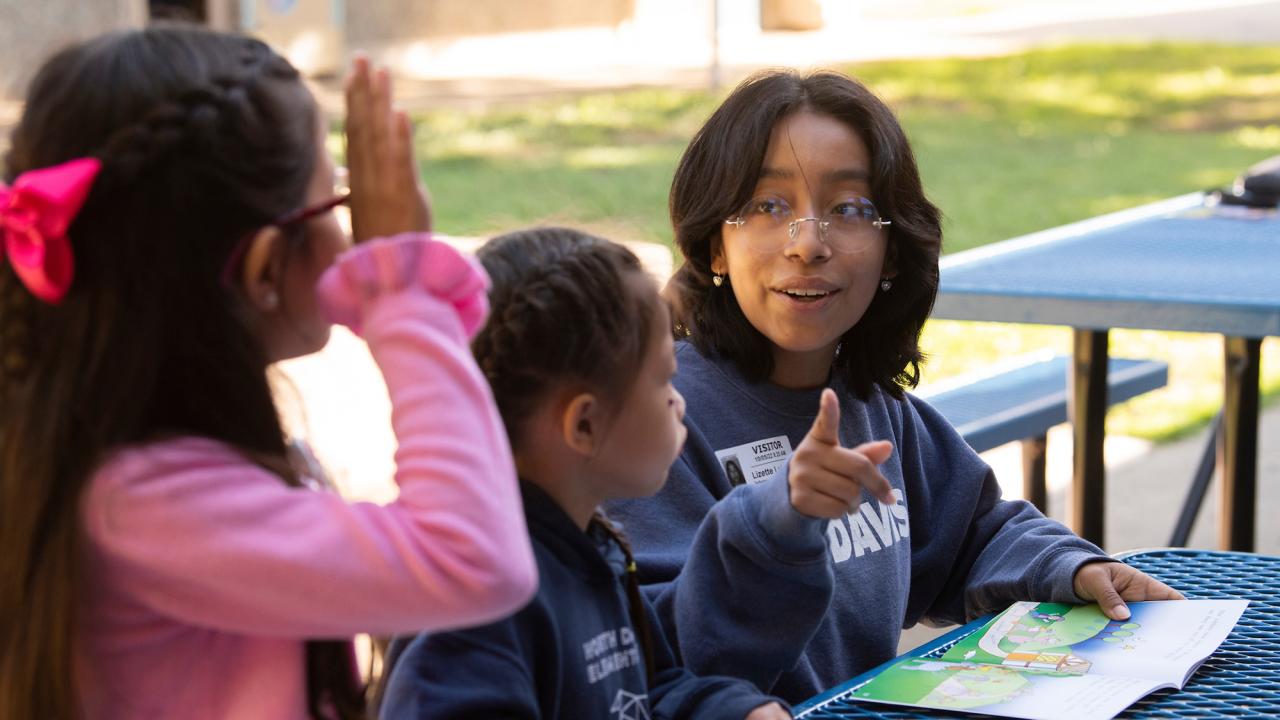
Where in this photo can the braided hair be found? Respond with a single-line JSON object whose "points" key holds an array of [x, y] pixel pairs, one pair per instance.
{"points": [[635, 604], [566, 309], [203, 138]]}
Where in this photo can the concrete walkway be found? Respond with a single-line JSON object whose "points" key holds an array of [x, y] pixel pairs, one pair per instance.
{"points": [[483, 71], [496, 70]]}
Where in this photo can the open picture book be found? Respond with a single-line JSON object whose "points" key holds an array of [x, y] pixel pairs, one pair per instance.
{"points": [[1046, 661]]}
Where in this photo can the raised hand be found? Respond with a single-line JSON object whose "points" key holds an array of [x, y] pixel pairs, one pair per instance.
{"points": [[1111, 583], [827, 480], [386, 195]]}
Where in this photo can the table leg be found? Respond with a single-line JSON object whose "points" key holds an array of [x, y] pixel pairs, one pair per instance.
{"points": [[1034, 485], [1199, 485], [1088, 412], [1239, 449]]}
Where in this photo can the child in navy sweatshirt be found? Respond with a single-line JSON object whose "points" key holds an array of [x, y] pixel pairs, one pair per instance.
{"points": [[817, 507], [579, 355]]}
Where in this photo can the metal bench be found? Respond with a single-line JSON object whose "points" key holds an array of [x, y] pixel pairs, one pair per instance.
{"points": [[1023, 400]]}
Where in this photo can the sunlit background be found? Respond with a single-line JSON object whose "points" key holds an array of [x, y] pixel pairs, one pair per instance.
{"points": [[1024, 115]]}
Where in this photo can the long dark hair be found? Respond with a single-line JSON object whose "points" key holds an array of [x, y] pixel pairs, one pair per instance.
{"points": [[716, 176], [203, 137], [566, 309]]}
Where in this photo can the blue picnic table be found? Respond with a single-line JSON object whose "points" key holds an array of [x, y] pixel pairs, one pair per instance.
{"points": [[1182, 264]]}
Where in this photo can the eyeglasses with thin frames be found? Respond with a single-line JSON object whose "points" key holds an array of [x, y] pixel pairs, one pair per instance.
{"points": [[851, 224], [284, 222]]}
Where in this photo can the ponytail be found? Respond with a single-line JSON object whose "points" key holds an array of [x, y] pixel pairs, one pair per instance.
{"points": [[639, 617]]}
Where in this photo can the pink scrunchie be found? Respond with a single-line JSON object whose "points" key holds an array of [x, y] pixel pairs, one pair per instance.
{"points": [[388, 265]]}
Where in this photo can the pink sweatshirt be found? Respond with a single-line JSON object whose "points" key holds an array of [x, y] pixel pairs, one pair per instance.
{"points": [[207, 573]]}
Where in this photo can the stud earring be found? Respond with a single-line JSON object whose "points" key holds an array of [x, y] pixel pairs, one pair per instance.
{"points": [[886, 284], [717, 280], [270, 300]]}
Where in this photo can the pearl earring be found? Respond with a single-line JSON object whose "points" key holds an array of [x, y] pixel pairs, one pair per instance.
{"points": [[270, 300], [886, 284], [717, 280]]}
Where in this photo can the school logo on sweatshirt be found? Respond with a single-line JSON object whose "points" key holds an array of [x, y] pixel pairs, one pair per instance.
{"points": [[609, 652], [630, 706], [871, 528]]}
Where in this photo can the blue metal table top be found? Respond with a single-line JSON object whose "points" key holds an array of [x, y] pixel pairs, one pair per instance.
{"points": [[1173, 265], [1240, 680]]}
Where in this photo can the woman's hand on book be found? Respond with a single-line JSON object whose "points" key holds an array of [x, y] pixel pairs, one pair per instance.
{"points": [[772, 711], [1110, 584]]}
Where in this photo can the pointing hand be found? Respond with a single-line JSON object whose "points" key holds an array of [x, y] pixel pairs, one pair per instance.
{"points": [[827, 480]]}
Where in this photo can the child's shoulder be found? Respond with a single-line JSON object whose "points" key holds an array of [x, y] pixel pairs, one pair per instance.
{"points": [[178, 456], [138, 484], [179, 450]]}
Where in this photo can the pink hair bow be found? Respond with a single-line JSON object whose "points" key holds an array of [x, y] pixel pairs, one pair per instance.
{"points": [[34, 216]]}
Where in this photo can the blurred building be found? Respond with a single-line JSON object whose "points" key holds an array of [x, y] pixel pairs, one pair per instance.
{"points": [[427, 38], [29, 31]]}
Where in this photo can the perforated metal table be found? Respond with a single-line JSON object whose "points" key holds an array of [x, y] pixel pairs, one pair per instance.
{"points": [[1240, 680], [1172, 265]]}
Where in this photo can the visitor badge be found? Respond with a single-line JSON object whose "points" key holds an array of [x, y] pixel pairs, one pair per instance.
{"points": [[755, 461]]}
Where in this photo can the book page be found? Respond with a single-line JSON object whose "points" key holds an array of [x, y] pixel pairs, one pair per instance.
{"points": [[997, 690], [1161, 641], [1045, 661]]}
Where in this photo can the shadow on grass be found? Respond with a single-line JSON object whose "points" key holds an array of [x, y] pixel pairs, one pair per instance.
{"points": [[1164, 86], [624, 199]]}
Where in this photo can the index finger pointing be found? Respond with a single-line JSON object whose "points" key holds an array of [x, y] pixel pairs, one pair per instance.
{"points": [[826, 427]]}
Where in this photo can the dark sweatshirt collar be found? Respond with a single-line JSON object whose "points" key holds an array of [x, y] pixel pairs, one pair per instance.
{"points": [[592, 554], [785, 401]]}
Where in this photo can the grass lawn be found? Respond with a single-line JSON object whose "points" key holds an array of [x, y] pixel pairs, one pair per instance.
{"points": [[1007, 146]]}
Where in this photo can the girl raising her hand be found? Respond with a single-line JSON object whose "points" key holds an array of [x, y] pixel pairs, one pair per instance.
{"points": [[167, 235]]}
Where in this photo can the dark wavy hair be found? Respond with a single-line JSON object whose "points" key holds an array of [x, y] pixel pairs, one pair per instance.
{"points": [[717, 175], [203, 137], [566, 309]]}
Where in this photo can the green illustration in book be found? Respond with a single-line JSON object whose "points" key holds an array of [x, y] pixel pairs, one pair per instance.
{"points": [[1052, 661], [993, 665], [1040, 636], [954, 686]]}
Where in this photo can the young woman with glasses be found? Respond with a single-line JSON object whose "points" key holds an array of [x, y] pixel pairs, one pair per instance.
{"points": [[810, 266]]}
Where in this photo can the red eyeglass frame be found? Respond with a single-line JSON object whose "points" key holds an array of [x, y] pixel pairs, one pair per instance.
{"points": [[283, 222]]}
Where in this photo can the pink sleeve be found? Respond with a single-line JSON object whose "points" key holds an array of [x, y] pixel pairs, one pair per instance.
{"points": [[198, 534]]}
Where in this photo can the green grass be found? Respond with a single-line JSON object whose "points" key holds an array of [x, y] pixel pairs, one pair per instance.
{"points": [[602, 160], [1006, 146], [1016, 144]]}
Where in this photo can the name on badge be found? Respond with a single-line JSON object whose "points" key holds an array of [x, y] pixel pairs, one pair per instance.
{"points": [[754, 462]]}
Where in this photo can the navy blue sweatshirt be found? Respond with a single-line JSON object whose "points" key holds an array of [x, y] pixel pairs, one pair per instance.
{"points": [[570, 653], [749, 587]]}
